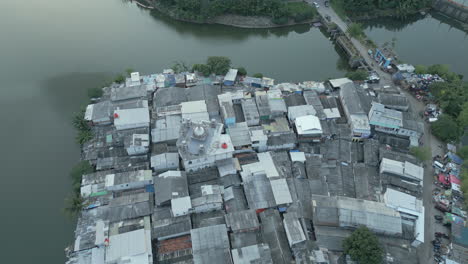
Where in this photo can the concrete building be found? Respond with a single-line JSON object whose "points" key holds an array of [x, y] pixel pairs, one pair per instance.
{"points": [[128, 93], [201, 144], [131, 118], [230, 77], [411, 209], [406, 170], [250, 110], [211, 245], [137, 144], [226, 108], [308, 128], [259, 253], [195, 111], [357, 117], [391, 121]]}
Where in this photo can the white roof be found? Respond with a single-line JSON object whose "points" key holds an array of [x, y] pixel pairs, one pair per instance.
{"points": [[331, 113], [300, 110], [414, 171], [193, 107], [181, 205], [407, 204], [309, 124], [267, 164], [294, 231], [360, 122], [297, 156], [135, 76], [339, 82], [399, 200], [231, 75], [129, 244], [89, 112], [281, 191], [131, 116], [392, 166]]}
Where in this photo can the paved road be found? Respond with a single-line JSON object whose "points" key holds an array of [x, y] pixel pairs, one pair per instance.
{"points": [[425, 252]]}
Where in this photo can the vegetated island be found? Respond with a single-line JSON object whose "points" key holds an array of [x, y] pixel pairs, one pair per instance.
{"points": [[239, 13], [368, 9]]}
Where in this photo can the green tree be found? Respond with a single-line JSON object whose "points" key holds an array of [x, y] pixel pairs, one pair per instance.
{"points": [[120, 78], [78, 122], [81, 168], [258, 75], [219, 65], [94, 92], [74, 204], [180, 66], [355, 30], [462, 118], [84, 136], [463, 153], [129, 71], [363, 246], [420, 69], [445, 128], [421, 153], [359, 75], [202, 68], [241, 71]]}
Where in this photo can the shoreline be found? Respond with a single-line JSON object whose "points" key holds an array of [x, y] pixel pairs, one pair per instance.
{"points": [[238, 21]]}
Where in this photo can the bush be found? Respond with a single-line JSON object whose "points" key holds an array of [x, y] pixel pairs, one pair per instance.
{"points": [[258, 75], [120, 78], [84, 136], [363, 246], [355, 30], [420, 69], [219, 65], [421, 153], [202, 68], [463, 153], [79, 170], [359, 75], [241, 71], [94, 92], [79, 123], [74, 204]]}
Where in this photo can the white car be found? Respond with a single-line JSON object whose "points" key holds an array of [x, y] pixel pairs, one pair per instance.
{"points": [[316, 5]]}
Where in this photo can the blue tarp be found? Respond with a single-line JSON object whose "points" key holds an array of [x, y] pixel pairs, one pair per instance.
{"points": [[149, 188], [454, 158]]}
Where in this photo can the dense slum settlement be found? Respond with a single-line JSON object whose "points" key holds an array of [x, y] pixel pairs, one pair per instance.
{"points": [[235, 169]]}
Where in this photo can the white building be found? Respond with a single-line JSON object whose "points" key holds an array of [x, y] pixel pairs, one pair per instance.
{"points": [[410, 208], [131, 118], [405, 169], [202, 144], [195, 111], [394, 122], [128, 180], [138, 144], [357, 118], [130, 247], [308, 128]]}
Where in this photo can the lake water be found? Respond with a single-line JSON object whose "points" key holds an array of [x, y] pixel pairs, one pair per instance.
{"points": [[53, 51], [433, 39]]}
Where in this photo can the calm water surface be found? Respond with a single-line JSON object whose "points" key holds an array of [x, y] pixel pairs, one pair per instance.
{"points": [[433, 39], [52, 51]]}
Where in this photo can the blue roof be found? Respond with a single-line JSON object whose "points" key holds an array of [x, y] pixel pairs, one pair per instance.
{"points": [[455, 158]]}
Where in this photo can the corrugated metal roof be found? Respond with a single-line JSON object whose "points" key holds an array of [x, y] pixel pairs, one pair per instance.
{"points": [[210, 245], [281, 191]]}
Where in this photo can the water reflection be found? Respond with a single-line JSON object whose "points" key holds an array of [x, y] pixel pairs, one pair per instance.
{"points": [[215, 31]]}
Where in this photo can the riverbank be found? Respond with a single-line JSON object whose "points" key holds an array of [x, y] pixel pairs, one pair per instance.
{"points": [[233, 20]]}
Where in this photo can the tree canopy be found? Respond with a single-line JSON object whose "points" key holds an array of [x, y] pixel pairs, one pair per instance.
{"points": [[445, 128], [359, 75], [400, 7], [218, 65], [355, 30], [280, 11], [421, 153], [363, 246]]}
